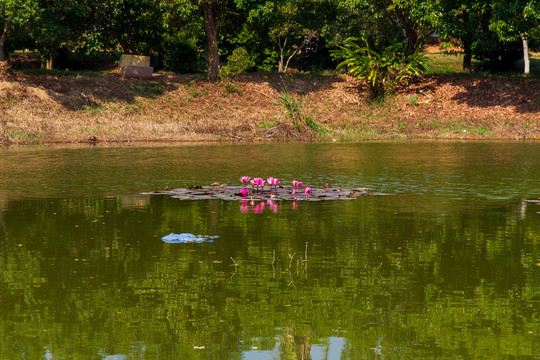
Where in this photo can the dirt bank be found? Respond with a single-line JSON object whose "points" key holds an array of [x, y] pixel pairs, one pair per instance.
{"points": [[44, 108]]}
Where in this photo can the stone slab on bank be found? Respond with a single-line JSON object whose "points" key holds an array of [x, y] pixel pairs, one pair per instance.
{"points": [[136, 72], [134, 60], [135, 66]]}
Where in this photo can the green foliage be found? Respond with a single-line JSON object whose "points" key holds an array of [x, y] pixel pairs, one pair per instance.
{"points": [[382, 72], [238, 62], [16, 16], [137, 26], [270, 35], [270, 62], [413, 100], [510, 20], [490, 31], [181, 57], [232, 88]]}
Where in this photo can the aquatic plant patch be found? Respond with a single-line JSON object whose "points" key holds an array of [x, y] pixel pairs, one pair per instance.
{"points": [[278, 193]]}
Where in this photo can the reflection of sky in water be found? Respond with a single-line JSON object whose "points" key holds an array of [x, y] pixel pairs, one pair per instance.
{"points": [[330, 351], [454, 186]]}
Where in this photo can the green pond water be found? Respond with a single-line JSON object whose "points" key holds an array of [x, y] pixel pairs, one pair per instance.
{"points": [[447, 268]]}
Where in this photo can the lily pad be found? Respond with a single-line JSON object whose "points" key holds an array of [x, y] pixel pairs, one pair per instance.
{"points": [[225, 192]]}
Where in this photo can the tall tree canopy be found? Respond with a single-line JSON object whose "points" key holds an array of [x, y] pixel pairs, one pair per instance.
{"points": [[515, 19], [274, 35], [16, 15]]}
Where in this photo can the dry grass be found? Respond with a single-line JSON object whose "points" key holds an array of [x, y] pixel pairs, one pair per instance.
{"points": [[37, 108]]}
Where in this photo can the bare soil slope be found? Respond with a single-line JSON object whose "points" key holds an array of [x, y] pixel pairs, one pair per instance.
{"points": [[38, 108]]}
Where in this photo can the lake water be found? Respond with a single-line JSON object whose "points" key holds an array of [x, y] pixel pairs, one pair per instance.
{"points": [[447, 268]]}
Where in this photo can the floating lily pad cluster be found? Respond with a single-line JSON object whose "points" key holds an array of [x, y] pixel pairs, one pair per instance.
{"points": [[271, 189]]}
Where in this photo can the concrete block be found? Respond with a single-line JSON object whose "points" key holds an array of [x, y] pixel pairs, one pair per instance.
{"points": [[144, 72], [134, 60]]}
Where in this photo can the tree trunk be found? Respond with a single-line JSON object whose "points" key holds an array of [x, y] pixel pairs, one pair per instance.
{"points": [[306, 41], [51, 60], [3, 40], [526, 62], [410, 31], [467, 58], [282, 56], [289, 59], [210, 26]]}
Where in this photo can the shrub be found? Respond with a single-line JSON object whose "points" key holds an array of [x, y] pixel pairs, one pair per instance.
{"points": [[382, 71], [181, 57], [238, 62]]}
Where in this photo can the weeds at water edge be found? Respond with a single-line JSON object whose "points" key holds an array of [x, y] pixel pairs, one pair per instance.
{"points": [[297, 117]]}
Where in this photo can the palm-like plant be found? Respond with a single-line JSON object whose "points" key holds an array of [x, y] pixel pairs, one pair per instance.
{"points": [[382, 72]]}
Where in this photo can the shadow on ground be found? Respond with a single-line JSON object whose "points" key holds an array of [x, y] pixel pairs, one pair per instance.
{"points": [[487, 92], [80, 92]]}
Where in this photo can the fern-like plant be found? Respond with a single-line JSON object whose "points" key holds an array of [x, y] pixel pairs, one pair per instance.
{"points": [[382, 71]]}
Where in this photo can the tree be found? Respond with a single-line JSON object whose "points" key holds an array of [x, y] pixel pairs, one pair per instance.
{"points": [[417, 19], [212, 11], [16, 15], [479, 30], [59, 22], [286, 28], [383, 23], [514, 19], [135, 25]]}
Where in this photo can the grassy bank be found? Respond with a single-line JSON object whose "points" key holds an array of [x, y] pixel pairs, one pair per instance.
{"points": [[70, 107]]}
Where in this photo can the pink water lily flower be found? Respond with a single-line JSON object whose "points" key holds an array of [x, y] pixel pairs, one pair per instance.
{"points": [[299, 184], [273, 181], [255, 182], [244, 192], [258, 182], [276, 183], [307, 190], [245, 179], [294, 183]]}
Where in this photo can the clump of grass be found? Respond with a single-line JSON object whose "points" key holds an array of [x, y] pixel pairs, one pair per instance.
{"points": [[26, 136], [147, 89], [296, 115], [232, 88]]}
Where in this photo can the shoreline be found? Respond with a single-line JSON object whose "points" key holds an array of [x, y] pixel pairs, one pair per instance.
{"points": [[106, 109], [160, 143]]}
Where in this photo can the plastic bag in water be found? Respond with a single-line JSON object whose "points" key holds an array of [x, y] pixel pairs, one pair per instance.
{"points": [[187, 238]]}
